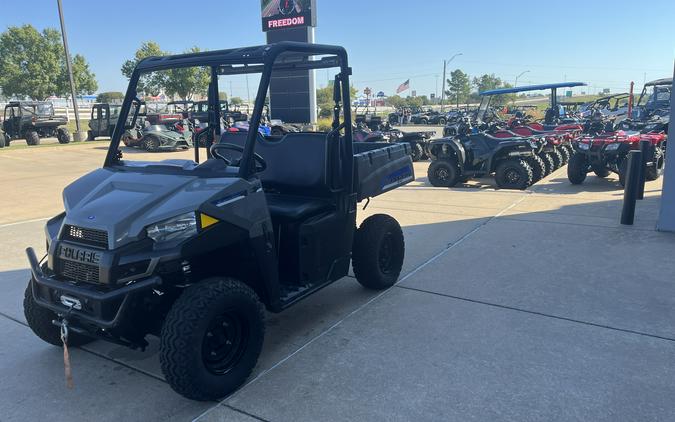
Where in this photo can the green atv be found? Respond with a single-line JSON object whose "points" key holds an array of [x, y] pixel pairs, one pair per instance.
{"points": [[32, 120]]}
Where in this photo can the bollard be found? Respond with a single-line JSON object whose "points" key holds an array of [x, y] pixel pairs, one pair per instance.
{"points": [[630, 189], [645, 148]]}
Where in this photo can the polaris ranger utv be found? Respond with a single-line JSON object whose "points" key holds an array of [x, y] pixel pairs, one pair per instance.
{"points": [[31, 120], [195, 252]]}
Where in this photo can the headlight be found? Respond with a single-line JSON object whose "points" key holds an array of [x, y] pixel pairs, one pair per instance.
{"points": [[612, 147], [180, 227], [583, 145]]}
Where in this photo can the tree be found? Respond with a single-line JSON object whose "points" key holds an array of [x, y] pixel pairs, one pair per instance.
{"points": [[187, 82], [324, 98], [459, 87], [33, 64], [151, 84], [235, 101], [222, 95], [487, 82], [109, 97], [395, 101]]}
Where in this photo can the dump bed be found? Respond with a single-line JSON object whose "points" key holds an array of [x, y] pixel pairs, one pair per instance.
{"points": [[380, 167]]}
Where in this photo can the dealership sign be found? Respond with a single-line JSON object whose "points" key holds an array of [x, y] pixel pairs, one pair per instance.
{"points": [[281, 14]]}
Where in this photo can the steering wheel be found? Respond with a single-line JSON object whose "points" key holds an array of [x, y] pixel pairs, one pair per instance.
{"points": [[261, 164]]}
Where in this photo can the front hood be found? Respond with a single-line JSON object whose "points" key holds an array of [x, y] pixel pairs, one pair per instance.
{"points": [[123, 203]]}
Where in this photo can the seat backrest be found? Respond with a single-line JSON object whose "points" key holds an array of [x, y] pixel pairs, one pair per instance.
{"points": [[297, 163]]}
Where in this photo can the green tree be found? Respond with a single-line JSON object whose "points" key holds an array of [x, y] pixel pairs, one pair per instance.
{"points": [[222, 95], [459, 87], [151, 84], [187, 82], [324, 98], [487, 82], [235, 101], [395, 101], [110, 97], [33, 64]]}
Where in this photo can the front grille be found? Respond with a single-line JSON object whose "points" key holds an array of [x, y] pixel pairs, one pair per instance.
{"points": [[78, 271], [85, 236]]}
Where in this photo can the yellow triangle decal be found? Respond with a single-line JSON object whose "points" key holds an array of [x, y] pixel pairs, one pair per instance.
{"points": [[206, 220]]}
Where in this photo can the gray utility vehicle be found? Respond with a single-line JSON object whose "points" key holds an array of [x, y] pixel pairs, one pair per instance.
{"points": [[195, 252], [31, 120], [103, 120]]}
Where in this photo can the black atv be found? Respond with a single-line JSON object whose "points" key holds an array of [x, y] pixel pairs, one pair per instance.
{"points": [[194, 253], [31, 120], [457, 159]]}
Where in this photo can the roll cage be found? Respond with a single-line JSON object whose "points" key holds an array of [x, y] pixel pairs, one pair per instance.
{"points": [[265, 59]]}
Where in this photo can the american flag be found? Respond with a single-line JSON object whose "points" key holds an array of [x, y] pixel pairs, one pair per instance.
{"points": [[405, 85]]}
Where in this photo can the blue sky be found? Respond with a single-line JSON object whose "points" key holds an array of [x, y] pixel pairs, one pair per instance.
{"points": [[604, 44]]}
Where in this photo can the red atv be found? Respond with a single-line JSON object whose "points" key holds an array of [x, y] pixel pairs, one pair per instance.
{"points": [[605, 152]]}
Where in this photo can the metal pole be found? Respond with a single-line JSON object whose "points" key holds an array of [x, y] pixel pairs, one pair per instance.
{"points": [[443, 85], [630, 189], [645, 148], [70, 70]]}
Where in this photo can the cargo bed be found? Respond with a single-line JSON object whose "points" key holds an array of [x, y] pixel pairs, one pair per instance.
{"points": [[380, 167]]}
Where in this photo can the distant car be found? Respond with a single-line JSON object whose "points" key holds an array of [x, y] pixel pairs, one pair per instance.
{"points": [[31, 120], [155, 138]]}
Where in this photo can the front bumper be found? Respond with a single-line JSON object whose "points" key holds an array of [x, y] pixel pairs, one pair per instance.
{"points": [[100, 306]]}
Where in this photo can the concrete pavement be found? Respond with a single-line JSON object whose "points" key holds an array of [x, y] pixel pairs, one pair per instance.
{"points": [[532, 305]]}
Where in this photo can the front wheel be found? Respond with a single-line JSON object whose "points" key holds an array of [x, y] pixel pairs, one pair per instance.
{"points": [[211, 338], [655, 171], [40, 321], [378, 251], [600, 170], [557, 159], [441, 121], [538, 168], [577, 169], [63, 135], [565, 153], [151, 144], [443, 173], [417, 152], [32, 138], [513, 174]]}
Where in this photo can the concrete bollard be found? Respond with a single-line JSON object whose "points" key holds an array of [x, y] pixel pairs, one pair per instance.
{"points": [[630, 189]]}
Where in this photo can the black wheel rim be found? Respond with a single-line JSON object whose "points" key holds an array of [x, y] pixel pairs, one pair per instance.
{"points": [[224, 342], [512, 175], [442, 173], [386, 253]]}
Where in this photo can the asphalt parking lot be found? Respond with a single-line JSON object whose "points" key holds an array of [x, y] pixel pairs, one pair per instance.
{"points": [[533, 305]]}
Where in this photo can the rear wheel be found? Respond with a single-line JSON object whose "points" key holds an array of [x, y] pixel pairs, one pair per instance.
{"points": [[577, 169], [151, 144], [655, 171], [32, 138], [557, 159], [548, 162], [424, 122], [63, 135], [441, 121], [565, 153], [623, 169], [513, 174], [417, 152], [378, 252], [40, 321], [211, 338], [443, 173], [538, 168]]}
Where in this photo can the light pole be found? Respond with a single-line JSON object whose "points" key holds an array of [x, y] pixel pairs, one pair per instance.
{"points": [[445, 64], [79, 135], [521, 74]]}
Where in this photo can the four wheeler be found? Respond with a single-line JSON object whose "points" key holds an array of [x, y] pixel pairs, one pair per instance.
{"points": [[428, 116], [367, 118], [103, 120], [31, 120], [195, 252], [418, 142], [651, 113], [606, 151], [457, 159]]}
